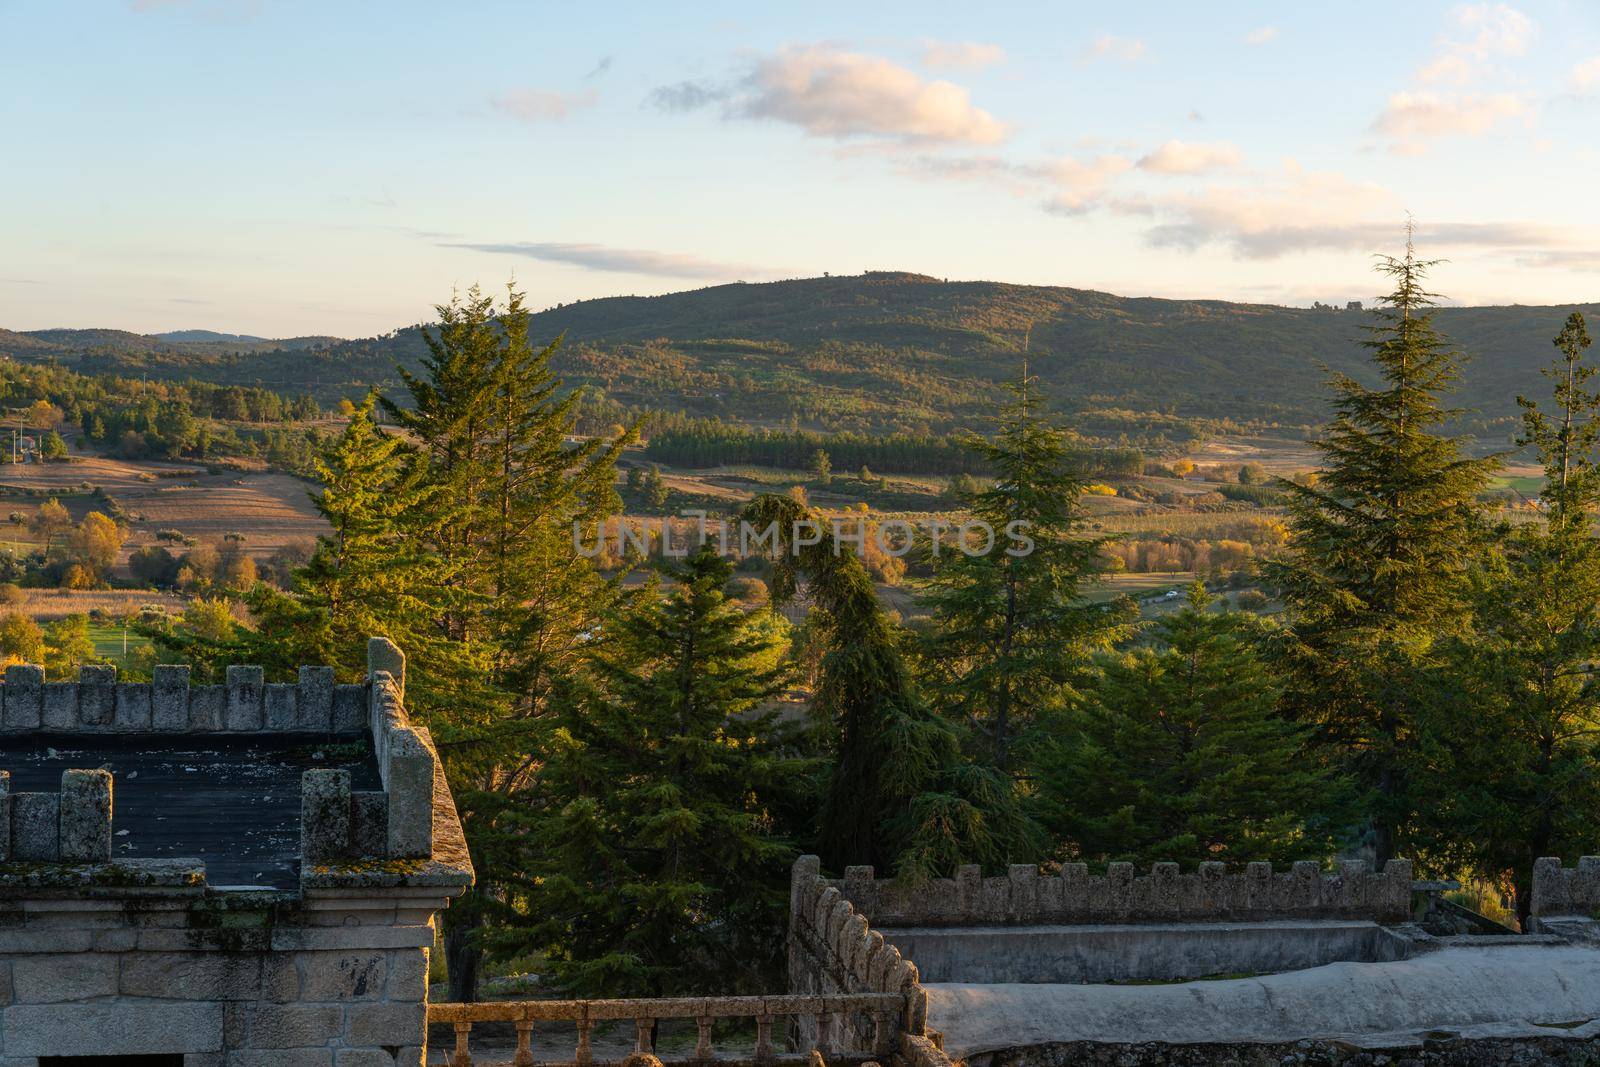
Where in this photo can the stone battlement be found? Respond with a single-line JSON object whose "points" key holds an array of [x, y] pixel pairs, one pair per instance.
{"points": [[339, 825], [1565, 891], [1211, 894]]}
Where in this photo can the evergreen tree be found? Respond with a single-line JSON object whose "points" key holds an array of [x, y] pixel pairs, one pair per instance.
{"points": [[655, 865], [1014, 632], [900, 794], [1177, 752], [371, 575], [1510, 759], [821, 467], [513, 603], [1379, 550]]}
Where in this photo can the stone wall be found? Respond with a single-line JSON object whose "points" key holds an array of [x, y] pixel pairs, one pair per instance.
{"points": [[833, 950], [245, 704], [1565, 891], [143, 957], [1211, 894], [70, 826], [239, 979]]}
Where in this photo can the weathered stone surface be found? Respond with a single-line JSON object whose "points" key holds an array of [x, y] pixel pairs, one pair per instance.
{"points": [[23, 693], [344, 976], [349, 709], [244, 688], [208, 708], [111, 1028], [169, 698], [409, 783], [48, 979], [191, 975], [300, 1057], [1165, 893], [324, 815], [314, 700], [35, 827], [5, 816], [85, 813], [279, 706], [60, 706], [369, 823], [290, 1026], [384, 655], [133, 711], [97, 695], [363, 1057], [381, 1024]]}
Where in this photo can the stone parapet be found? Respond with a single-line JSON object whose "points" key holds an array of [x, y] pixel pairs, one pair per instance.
{"points": [[168, 704], [833, 950], [1565, 891], [1165, 894], [70, 826]]}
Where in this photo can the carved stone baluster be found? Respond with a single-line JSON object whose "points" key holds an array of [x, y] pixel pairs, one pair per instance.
{"points": [[702, 1046], [524, 1057], [763, 1038], [643, 1043], [585, 1054], [825, 1033], [463, 1053]]}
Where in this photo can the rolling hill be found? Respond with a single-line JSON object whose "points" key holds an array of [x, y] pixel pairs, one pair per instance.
{"points": [[895, 350]]}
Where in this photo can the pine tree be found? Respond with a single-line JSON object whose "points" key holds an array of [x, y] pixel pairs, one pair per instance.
{"points": [[900, 795], [1178, 752], [512, 603], [1510, 758], [1014, 632], [655, 865], [1379, 549], [370, 575]]}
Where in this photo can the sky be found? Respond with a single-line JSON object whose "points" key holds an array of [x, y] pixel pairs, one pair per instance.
{"points": [[283, 169]]}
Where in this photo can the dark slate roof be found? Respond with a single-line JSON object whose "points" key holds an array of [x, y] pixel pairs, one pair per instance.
{"points": [[234, 802]]}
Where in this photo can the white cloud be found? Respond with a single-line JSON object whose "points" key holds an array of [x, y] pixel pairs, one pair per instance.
{"points": [[961, 55], [1483, 33], [1410, 120], [1076, 184], [534, 105], [1190, 157], [831, 93], [1292, 211], [1586, 75], [1261, 35], [1110, 46], [619, 260]]}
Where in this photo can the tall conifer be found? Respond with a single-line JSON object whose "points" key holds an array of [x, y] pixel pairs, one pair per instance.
{"points": [[1380, 546]]}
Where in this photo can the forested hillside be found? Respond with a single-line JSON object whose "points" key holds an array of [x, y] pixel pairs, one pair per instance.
{"points": [[892, 351]]}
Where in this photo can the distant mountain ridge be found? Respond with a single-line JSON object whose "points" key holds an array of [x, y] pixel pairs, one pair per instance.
{"points": [[892, 350]]}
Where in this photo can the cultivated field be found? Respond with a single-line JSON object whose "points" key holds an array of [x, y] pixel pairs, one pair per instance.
{"points": [[270, 510]]}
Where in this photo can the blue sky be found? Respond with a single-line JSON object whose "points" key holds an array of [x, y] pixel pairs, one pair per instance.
{"points": [[288, 168]]}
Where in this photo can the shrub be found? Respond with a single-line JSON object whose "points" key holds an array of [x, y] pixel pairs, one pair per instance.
{"points": [[1251, 600]]}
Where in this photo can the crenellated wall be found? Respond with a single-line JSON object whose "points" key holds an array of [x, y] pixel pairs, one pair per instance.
{"points": [[833, 950], [98, 704], [109, 956], [1565, 891], [72, 825], [1211, 894]]}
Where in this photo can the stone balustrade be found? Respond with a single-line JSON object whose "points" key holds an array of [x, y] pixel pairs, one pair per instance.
{"points": [[1212, 893], [825, 1015]]}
